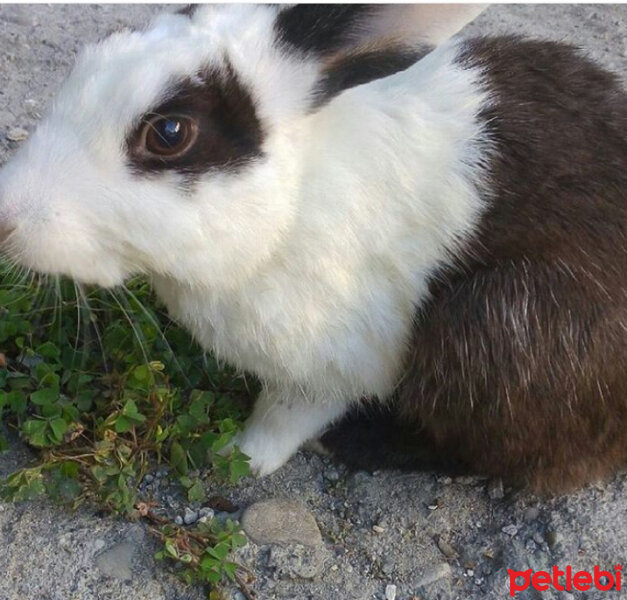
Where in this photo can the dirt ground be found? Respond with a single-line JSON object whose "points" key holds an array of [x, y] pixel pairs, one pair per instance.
{"points": [[429, 536]]}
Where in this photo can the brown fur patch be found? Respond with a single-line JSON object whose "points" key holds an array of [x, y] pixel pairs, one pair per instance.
{"points": [[518, 361]]}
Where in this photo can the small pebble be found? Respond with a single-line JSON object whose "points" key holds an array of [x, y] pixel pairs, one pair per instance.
{"points": [[223, 516], [390, 592], [433, 574], [30, 361], [190, 516], [206, 513], [495, 489], [538, 539], [178, 520], [171, 502], [553, 538], [281, 521], [149, 478], [510, 530], [387, 566], [331, 475], [17, 134], [446, 548], [532, 513], [378, 529], [466, 480], [99, 544]]}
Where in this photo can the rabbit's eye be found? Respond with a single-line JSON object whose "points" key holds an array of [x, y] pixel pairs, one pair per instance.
{"points": [[206, 123], [169, 136]]}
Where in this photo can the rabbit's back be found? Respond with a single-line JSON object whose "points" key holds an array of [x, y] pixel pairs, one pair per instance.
{"points": [[558, 126], [517, 365]]}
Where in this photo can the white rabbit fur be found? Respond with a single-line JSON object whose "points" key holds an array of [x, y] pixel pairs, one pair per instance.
{"points": [[306, 266]]}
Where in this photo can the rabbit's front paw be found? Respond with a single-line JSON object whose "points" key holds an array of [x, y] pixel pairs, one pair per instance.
{"points": [[267, 452], [280, 423]]}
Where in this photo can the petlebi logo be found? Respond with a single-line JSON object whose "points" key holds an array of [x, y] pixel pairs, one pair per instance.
{"points": [[565, 580]]}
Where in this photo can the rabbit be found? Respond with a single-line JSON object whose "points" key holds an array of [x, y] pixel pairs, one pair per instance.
{"points": [[416, 241]]}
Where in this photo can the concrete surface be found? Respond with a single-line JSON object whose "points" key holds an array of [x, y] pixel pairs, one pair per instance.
{"points": [[431, 537]]}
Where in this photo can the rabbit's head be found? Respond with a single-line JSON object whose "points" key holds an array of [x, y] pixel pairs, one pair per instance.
{"points": [[180, 150]]}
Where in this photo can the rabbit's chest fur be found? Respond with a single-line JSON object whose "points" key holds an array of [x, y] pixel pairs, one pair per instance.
{"points": [[332, 308], [333, 330]]}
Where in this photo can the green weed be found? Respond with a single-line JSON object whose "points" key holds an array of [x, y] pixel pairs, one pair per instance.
{"points": [[105, 387]]}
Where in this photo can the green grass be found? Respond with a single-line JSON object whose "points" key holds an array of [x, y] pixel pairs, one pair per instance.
{"points": [[105, 387]]}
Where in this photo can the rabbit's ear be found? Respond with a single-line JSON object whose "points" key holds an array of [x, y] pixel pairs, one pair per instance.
{"points": [[429, 24], [327, 30], [356, 44]]}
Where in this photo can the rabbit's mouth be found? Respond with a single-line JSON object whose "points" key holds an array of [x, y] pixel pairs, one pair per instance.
{"points": [[50, 247]]}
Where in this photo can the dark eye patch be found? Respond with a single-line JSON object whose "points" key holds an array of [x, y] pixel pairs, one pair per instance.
{"points": [[229, 133]]}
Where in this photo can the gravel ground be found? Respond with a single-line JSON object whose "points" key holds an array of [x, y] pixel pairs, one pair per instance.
{"points": [[340, 535]]}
